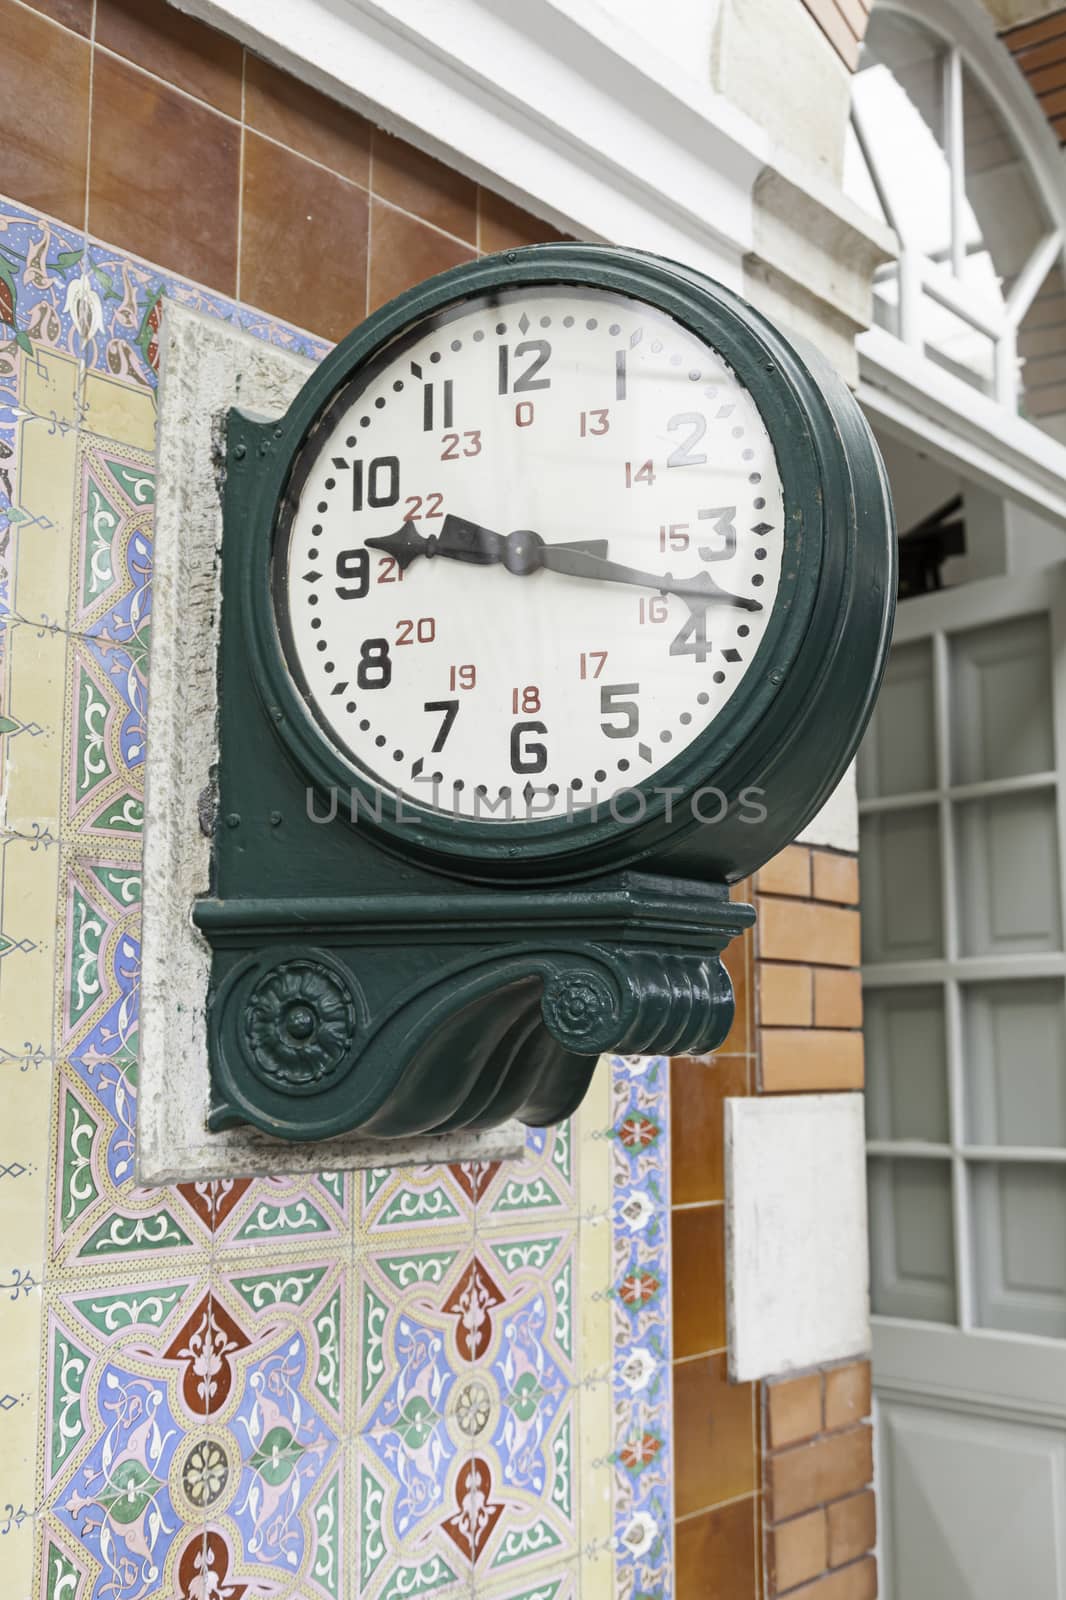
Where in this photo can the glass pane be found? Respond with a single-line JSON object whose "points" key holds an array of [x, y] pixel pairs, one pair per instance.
{"points": [[1015, 1062], [906, 1073], [1008, 215], [1019, 1247], [899, 854], [898, 99], [1001, 701], [912, 1248], [897, 755], [1008, 875], [1042, 348]]}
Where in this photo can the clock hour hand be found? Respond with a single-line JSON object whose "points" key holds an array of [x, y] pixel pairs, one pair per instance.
{"points": [[697, 591], [460, 540]]}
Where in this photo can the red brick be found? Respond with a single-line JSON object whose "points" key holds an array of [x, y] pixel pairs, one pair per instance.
{"points": [[805, 930], [847, 1394], [798, 1551], [793, 1410], [852, 1527], [827, 1469], [835, 877], [785, 995], [837, 998], [857, 1582], [787, 873], [794, 1059]]}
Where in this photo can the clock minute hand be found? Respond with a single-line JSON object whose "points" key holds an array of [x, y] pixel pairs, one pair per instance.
{"points": [[576, 564], [460, 540]]}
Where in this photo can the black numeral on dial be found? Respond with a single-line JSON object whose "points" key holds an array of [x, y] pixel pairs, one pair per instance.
{"points": [[540, 350], [528, 755], [353, 564], [382, 486], [375, 665], [612, 704]]}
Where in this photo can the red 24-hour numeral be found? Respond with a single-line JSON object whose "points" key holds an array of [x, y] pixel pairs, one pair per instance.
{"points": [[422, 630], [593, 663], [645, 473]]}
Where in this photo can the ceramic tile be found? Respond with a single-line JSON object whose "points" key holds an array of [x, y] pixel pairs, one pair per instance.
{"points": [[716, 1552], [338, 1355], [714, 1435], [505, 226], [35, 707], [310, 123], [74, 14], [25, 1157], [697, 1090], [416, 183], [20, 1331], [403, 251], [323, 263], [147, 142], [44, 72], [698, 1266], [174, 47]]}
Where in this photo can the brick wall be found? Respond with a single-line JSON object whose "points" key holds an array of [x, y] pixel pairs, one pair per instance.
{"points": [[790, 1461]]}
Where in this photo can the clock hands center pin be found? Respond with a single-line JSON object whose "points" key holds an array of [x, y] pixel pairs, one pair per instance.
{"points": [[524, 552]]}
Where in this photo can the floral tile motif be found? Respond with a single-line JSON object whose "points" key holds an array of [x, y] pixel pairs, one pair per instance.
{"points": [[297, 1388]]}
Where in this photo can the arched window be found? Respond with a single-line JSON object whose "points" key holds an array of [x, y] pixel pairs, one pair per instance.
{"points": [[934, 151]]}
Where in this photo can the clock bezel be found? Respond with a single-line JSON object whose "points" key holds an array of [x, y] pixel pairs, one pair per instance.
{"points": [[812, 460]]}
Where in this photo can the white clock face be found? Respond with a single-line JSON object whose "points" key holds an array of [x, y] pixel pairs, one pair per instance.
{"points": [[532, 556]]}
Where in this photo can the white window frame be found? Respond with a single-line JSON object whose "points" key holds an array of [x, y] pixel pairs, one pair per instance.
{"points": [[911, 396]]}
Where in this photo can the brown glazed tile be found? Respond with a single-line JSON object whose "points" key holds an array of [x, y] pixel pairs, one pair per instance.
{"points": [[811, 1474], [403, 251], [794, 1410], [44, 81], [714, 1436], [789, 872], [837, 998], [785, 995], [836, 877], [698, 1267], [857, 1582], [313, 273], [503, 226], [848, 1395], [175, 47], [715, 1553], [164, 175], [426, 188], [798, 1551], [852, 1527], [796, 1059], [697, 1089], [279, 105], [75, 14]]}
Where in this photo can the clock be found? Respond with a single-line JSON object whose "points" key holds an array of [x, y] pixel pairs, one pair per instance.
{"points": [[554, 605], [530, 554]]}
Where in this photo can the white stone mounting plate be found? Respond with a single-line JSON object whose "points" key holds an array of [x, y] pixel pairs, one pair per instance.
{"points": [[797, 1269], [207, 367]]}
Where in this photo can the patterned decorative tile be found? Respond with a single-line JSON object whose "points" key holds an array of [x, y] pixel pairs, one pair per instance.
{"points": [[440, 1381]]}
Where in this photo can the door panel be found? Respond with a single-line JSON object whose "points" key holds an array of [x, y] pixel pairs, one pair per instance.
{"points": [[961, 855]]}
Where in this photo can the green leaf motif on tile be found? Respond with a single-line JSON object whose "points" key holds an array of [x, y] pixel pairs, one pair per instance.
{"points": [[563, 1290], [61, 1576], [282, 1287], [122, 884], [124, 815], [77, 1184], [333, 1184], [372, 1545], [429, 1268], [418, 1205], [543, 1591], [326, 1568], [519, 1253], [136, 483], [416, 1423], [562, 1482], [120, 1234], [87, 929], [374, 1180], [130, 1492], [534, 1195], [531, 1541], [69, 1366], [297, 1217], [275, 1459], [328, 1332], [133, 1308], [374, 1313], [68, 258], [562, 1150], [101, 525], [525, 1397], [408, 1581]]}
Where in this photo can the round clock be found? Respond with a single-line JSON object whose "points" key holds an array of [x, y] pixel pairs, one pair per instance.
{"points": [[572, 552]]}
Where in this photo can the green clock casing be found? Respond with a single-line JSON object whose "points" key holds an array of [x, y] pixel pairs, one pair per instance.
{"points": [[556, 603]]}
